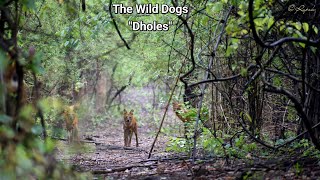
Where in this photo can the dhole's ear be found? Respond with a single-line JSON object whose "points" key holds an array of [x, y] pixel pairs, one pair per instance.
{"points": [[131, 112], [124, 111]]}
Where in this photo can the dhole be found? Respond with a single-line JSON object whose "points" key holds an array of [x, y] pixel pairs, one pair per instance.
{"points": [[71, 120], [11, 78], [129, 127], [10, 84], [179, 110]]}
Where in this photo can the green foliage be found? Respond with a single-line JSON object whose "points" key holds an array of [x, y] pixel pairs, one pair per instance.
{"points": [[303, 143], [177, 145], [214, 146], [28, 5], [210, 144], [242, 147], [298, 168], [23, 154]]}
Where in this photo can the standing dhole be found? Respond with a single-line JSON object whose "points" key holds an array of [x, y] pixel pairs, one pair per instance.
{"points": [[71, 119], [129, 127]]}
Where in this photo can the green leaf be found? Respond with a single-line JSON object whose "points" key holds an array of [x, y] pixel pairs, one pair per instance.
{"points": [[248, 117], [315, 29], [270, 22], [50, 145], [233, 66], [244, 32], [243, 72], [5, 119], [66, 43], [243, 6], [63, 33], [229, 28], [257, 3], [234, 41], [289, 30], [302, 44], [305, 27], [297, 25], [235, 2], [26, 111], [6, 132], [277, 81], [28, 5], [258, 22], [229, 51], [217, 7], [205, 20], [239, 141], [24, 161], [298, 33], [36, 63], [36, 129]]}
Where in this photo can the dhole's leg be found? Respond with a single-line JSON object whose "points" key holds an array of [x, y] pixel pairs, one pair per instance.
{"points": [[130, 137], [69, 136], [75, 136], [135, 132], [125, 138]]}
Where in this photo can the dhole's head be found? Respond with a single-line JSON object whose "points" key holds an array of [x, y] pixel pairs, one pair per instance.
{"points": [[128, 116], [176, 106], [11, 78]]}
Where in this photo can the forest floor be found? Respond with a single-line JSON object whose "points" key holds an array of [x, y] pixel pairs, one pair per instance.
{"points": [[106, 158], [102, 153]]}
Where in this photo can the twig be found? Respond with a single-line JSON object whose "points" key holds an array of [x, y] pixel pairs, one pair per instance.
{"points": [[64, 139], [165, 112], [106, 171]]}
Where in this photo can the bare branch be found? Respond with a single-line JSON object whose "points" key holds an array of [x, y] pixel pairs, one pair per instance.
{"points": [[115, 25]]}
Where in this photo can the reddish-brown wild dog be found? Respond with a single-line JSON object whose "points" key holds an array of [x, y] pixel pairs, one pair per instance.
{"points": [[129, 127], [179, 110], [71, 119]]}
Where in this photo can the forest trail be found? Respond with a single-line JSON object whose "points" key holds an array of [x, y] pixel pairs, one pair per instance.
{"points": [[107, 155], [104, 155], [103, 152]]}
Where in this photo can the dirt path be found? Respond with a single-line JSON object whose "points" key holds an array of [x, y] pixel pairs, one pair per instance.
{"points": [[104, 155], [108, 159]]}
